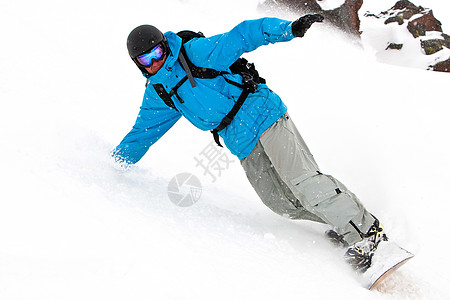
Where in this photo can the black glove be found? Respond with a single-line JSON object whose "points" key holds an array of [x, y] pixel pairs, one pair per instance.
{"points": [[300, 26]]}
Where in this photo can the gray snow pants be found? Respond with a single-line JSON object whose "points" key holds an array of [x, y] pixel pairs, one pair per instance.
{"points": [[286, 177]]}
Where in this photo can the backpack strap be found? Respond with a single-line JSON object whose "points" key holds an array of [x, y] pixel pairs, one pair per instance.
{"points": [[230, 115], [161, 91], [198, 72], [185, 66], [192, 71]]}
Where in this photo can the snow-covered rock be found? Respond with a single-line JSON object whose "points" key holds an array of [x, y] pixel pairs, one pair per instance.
{"points": [[411, 31], [405, 34]]}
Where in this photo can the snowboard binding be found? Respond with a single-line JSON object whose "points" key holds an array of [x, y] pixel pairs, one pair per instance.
{"points": [[375, 257]]}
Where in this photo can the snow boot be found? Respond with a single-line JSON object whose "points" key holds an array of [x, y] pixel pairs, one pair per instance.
{"points": [[336, 238], [359, 255], [374, 258]]}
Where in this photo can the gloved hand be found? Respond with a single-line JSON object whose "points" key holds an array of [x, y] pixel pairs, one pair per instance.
{"points": [[300, 26]]}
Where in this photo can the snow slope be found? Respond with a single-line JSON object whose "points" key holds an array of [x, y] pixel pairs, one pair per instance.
{"points": [[75, 226]]}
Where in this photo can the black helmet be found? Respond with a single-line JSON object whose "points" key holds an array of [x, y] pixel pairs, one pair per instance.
{"points": [[142, 39]]}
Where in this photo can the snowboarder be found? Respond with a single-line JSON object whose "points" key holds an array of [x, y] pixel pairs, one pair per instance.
{"points": [[193, 78]]}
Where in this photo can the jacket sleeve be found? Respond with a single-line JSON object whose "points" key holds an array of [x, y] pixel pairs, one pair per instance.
{"points": [[220, 51], [153, 121]]}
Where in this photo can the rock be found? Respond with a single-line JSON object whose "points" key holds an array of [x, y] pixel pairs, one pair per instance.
{"points": [[394, 46], [443, 66], [405, 4], [427, 22], [401, 11], [433, 46], [397, 19]]}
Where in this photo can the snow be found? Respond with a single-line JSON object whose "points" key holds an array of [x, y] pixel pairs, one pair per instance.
{"points": [[330, 4], [75, 226]]}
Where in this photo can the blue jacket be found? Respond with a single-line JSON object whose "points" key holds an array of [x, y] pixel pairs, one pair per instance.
{"points": [[207, 104]]}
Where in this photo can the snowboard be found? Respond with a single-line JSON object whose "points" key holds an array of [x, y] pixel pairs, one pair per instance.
{"points": [[387, 259]]}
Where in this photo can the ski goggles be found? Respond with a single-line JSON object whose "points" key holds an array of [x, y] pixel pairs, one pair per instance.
{"points": [[155, 54]]}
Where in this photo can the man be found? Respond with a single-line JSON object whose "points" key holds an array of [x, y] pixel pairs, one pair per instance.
{"points": [[251, 119]]}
